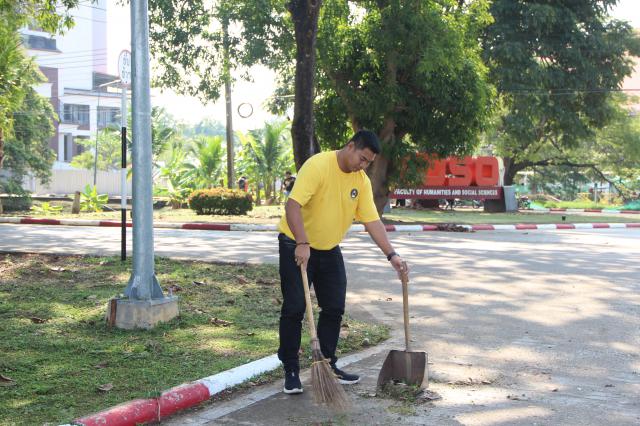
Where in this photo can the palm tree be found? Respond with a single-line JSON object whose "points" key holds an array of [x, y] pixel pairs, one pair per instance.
{"points": [[265, 154], [205, 165]]}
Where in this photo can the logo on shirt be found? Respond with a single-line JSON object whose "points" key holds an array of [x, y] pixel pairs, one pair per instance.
{"points": [[354, 193]]}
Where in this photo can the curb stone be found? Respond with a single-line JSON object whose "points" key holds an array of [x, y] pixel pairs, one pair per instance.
{"points": [[244, 227]]}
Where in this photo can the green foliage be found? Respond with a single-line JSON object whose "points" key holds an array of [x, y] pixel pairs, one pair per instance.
{"points": [[109, 151], [555, 65], [266, 155], [27, 147], [178, 179], [46, 208], [221, 201], [204, 166], [17, 202], [91, 201]]}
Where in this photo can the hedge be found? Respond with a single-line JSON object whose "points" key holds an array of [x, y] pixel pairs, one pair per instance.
{"points": [[221, 201]]}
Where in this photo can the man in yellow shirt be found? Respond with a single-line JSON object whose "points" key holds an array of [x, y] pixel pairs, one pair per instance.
{"points": [[330, 191]]}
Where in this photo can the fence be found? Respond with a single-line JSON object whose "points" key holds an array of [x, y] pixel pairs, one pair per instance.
{"points": [[69, 181]]}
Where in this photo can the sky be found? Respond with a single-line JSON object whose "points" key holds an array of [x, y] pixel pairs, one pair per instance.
{"points": [[191, 110]]}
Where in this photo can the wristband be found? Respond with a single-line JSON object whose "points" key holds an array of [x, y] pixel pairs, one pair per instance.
{"points": [[306, 243], [390, 255]]}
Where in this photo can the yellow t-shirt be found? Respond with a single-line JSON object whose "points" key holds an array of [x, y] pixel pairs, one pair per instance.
{"points": [[330, 200]]}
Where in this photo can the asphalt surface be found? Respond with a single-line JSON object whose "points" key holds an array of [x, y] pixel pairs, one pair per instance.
{"points": [[534, 327]]}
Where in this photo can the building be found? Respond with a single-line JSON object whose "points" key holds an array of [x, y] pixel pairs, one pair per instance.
{"points": [[80, 90]]}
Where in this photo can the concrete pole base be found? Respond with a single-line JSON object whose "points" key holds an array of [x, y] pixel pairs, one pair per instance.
{"points": [[145, 314]]}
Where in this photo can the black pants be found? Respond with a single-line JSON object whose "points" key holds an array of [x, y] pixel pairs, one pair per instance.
{"points": [[326, 272]]}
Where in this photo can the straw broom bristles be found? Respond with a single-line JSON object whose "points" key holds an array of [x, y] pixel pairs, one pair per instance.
{"points": [[326, 389]]}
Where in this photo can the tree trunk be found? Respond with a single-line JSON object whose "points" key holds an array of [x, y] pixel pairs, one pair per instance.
{"points": [[379, 171], [511, 168], [304, 14]]}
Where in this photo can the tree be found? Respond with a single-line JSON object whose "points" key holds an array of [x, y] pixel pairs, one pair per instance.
{"points": [[205, 162], [27, 148], [266, 155], [411, 70], [556, 66], [17, 76], [420, 90]]}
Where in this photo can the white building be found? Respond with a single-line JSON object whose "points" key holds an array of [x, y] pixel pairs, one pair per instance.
{"points": [[75, 65]]}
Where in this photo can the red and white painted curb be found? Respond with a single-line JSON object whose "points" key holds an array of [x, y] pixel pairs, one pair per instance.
{"points": [[566, 210], [354, 228], [141, 411]]}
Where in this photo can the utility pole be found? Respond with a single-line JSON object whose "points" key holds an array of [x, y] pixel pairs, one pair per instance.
{"points": [[145, 305], [231, 176]]}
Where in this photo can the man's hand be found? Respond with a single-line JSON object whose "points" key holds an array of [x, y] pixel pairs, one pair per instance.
{"points": [[400, 266], [302, 254]]}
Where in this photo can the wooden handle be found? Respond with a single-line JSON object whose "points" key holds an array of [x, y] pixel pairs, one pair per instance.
{"points": [[405, 304], [307, 297]]}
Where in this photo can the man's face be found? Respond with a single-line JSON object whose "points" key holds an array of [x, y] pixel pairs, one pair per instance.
{"points": [[359, 159]]}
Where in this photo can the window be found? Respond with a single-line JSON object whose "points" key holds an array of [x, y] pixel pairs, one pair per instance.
{"points": [[39, 42], [108, 116], [76, 114]]}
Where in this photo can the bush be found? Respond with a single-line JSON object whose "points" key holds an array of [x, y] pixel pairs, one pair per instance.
{"points": [[220, 201], [16, 203]]}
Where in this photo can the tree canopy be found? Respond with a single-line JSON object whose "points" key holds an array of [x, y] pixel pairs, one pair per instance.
{"points": [[557, 66]]}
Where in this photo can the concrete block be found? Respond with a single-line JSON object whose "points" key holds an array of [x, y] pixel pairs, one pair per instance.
{"points": [[145, 314]]}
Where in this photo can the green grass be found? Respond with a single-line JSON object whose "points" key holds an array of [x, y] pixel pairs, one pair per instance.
{"points": [[260, 214], [272, 214], [473, 217], [579, 205], [58, 350]]}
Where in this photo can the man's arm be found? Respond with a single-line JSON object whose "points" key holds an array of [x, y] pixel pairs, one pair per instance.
{"points": [[296, 224], [379, 235]]}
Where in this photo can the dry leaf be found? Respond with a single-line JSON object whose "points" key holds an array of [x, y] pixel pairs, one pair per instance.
{"points": [[219, 322], [251, 333], [266, 281], [38, 320], [242, 279], [175, 288], [389, 299], [106, 387], [230, 302], [430, 395], [8, 380], [102, 365], [57, 269], [199, 283]]}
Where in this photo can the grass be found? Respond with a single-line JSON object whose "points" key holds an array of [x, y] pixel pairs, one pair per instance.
{"points": [[272, 214], [57, 351], [579, 205], [473, 217]]}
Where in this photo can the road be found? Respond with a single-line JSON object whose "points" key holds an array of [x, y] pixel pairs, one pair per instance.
{"points": [[521, 327]]}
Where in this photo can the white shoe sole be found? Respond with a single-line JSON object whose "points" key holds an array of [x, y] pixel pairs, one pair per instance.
{"points": [[348, 382], [292, 391]]}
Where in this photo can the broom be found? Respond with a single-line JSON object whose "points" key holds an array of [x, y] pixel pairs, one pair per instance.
{"points": [[326, 389]]}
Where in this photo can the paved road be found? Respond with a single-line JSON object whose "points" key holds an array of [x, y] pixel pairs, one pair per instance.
{"points": [[550, 321]]}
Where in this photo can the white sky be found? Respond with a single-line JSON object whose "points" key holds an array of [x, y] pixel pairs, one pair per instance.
{"points": [[191, 110]]}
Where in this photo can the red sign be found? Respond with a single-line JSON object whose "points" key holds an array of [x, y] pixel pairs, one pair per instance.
{"points": [[472, 178], [467, 171]]}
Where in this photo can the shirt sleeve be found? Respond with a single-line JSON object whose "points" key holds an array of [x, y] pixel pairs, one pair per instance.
{"points": [[366, 211], [306, 183]]}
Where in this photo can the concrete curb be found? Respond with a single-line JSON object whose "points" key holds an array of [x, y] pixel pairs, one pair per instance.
{"points": [[140, 411], [565, 210], [354, 228]]}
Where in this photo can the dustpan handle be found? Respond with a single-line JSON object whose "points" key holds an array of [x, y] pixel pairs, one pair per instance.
{"points": [[307, 297], [404, 277]]}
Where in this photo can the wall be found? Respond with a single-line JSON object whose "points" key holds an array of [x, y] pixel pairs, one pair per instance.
{"points": [[68, 181]]}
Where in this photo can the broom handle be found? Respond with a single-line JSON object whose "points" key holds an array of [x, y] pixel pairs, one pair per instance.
{"points": [[405, 304], [307, 297]]}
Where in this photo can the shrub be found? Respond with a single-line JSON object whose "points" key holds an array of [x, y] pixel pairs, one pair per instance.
{"points": [[220, 201], [91, 201], [17, 203]]}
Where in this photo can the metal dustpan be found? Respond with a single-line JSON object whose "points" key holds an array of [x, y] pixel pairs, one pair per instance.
{"points": [[404, 366]]}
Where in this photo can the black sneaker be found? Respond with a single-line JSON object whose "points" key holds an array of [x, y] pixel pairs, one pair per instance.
{"points": [[345, 378], [292, 382]]}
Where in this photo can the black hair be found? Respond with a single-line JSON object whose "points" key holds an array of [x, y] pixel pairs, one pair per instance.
{"points": [[366, 139]]}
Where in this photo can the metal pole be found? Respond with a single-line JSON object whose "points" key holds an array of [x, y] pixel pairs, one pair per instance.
{"points": [[123, 173], [143, 284]]}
